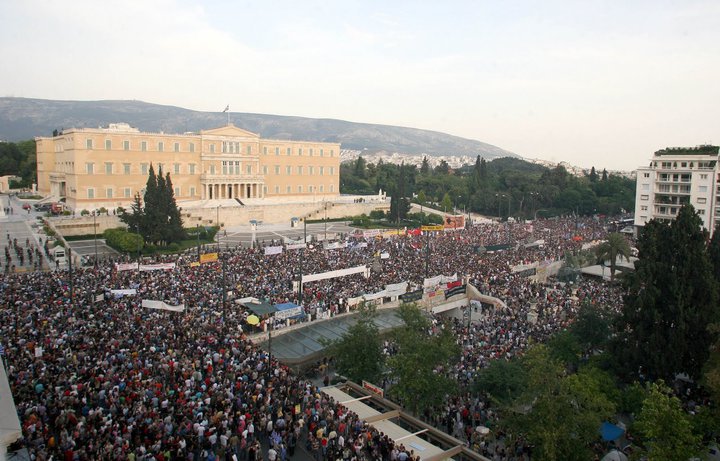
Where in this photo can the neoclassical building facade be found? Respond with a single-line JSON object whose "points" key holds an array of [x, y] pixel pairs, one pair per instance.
{"points": [[105, 167]]}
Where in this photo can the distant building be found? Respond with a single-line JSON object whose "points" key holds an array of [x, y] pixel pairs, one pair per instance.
{"points": [[106, 167], [675, 177]]}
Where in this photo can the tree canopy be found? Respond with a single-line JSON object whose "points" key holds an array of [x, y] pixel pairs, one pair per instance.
{"points": [[521, 186], [671, 301], [159, 220]]}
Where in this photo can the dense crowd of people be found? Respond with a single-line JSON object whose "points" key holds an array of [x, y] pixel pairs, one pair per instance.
{"points": [[109, 379]]}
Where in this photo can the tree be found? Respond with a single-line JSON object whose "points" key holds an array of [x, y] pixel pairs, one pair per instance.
{"points": [[159, 221], [417, 368], [421, 197], [425, 167], [714, 253], [503, 381], [360, 165], [446, 203], [614, 246], [592, 326], [362, 336], [134, 220], [442, 168], [173, 231], [593, 175], [665, 428], [671, 300], [558, 414]]}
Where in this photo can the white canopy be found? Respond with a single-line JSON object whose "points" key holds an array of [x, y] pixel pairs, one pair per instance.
{"points": [[9, 422]]}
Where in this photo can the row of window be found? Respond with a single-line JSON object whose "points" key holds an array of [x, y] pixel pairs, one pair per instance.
{"points": [[702, 165], [699, 200], [301, 170], [144, 168], [127, 191], [228, 168], [226, 147], [300, 190], [90, 144]]}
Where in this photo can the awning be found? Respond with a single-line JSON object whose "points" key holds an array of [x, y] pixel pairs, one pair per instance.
{"points": [[610, 431], [260, 308]]}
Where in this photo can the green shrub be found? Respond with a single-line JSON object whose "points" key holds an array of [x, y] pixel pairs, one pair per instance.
{"points": [[84, 213], [122, 240]]}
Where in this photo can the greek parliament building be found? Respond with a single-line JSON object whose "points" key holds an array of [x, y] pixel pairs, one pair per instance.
{"points": [[106, 167], [675, 177]]}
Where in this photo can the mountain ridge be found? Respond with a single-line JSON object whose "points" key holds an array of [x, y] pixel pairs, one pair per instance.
{"points": [[26, 118]]}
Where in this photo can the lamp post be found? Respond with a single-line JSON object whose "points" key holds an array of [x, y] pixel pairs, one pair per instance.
{"points": [[222, 265], [197, 231], [217, 219], [325, 206], [70, 268], [427, 253], [95, 239]]}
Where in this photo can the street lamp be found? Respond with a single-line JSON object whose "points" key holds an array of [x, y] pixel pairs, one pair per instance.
{"points": [[217, 219], [95, 239], [197, 231], [222, 265]]}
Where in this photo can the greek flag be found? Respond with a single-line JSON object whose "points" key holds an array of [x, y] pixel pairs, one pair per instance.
{"points": [[2, 350]]}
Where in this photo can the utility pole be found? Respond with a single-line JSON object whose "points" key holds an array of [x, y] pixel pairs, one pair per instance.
{"points": [[302, 262], [70, 269], [224, 289], [427, 253], [197, 229], [95, 238]]}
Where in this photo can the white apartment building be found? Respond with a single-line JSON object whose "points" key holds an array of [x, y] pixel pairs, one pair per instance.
{"points": [[677, 176]]}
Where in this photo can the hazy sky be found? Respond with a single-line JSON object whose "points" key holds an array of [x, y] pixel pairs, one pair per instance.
{"points": [[594, 83]]}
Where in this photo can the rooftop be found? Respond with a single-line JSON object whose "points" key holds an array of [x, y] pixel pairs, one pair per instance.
{"points": [[698, 150]]}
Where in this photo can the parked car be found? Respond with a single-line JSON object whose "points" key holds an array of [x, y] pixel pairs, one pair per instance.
{"points": [[26, 206]]}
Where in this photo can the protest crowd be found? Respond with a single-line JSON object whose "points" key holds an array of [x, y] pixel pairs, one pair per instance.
{"points": [[96, 376]]}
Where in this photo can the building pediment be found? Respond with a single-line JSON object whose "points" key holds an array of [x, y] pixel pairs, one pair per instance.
{"points": [[230, 131]]}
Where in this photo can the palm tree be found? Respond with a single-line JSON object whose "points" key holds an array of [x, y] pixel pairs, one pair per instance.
{"points": [[614, 246]]}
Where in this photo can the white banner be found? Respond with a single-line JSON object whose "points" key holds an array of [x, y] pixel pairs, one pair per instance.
{"points": [[335, 274], [372, 233], [99, 298], [273, 250], [384, 255], [126, 267], [121, 293], [157, 267], [150, 304], [296, 246], [438, 279], [287, 313], [395, 289], [334, 245]]}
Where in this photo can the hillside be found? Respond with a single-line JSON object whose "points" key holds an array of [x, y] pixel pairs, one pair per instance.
{"points": [[25, 118]]}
